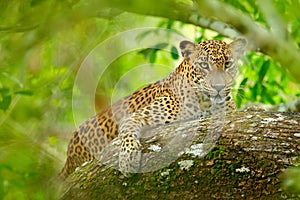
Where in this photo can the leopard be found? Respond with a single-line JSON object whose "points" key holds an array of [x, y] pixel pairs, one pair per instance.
{"points": [[204, 78]]}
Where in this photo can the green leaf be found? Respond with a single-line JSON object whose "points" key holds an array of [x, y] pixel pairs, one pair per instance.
{"points": [[170, 24], [174, 53], [218, 37], [199, 39], [161, 24], [241, 93], [5, 102], [160, 46], [243, 83], [255, 91], [142, 35], [263, 70], [5, 98], [24, 92], [152, 57], [4, 91], [146, 52], [151, 52]]}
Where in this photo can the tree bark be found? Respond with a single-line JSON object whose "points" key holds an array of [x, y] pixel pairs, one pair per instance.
{"points": [[248, 161]]}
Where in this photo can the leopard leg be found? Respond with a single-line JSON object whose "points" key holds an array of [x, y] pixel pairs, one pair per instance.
{"points": [[130, 152], [130, 130]]}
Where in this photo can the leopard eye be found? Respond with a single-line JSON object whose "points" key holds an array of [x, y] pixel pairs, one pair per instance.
{"points": [[228, 64], [204, 65]]}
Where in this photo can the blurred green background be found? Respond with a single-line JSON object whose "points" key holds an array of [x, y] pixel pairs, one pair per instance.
{"points": [[44, 42]]}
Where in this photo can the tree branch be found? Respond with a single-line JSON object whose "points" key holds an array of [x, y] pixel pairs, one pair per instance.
{"points": [[217, 16], [247, 162]]}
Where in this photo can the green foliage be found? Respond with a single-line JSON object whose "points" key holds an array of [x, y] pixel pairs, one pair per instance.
{"points": [[262, 80], [151, 51], [42, 45], [6, 98], [291, 181]]}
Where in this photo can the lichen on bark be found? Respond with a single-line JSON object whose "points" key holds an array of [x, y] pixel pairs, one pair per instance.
{"points": [[248, 161]]}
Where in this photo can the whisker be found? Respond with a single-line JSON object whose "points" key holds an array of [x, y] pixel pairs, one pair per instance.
{"points": [[239, 88], [240, 95]]}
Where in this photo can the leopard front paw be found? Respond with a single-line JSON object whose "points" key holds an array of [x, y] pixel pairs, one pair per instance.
{"points": [[130, 157]]}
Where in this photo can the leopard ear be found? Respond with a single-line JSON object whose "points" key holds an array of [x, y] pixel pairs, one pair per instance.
{"points": [[187, 48], [238, 46]]}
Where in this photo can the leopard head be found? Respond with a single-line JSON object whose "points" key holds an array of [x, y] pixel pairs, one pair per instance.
{"points": [[213, 65]]}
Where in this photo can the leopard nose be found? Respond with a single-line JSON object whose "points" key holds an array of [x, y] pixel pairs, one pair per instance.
{"points": [[218, 87]]}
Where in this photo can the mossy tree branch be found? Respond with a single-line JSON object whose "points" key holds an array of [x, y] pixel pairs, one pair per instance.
{"points": [[248, 161], [218, 16]]}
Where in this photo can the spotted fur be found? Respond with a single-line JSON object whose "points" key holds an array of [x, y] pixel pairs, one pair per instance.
{"points": [[204, 77]]}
